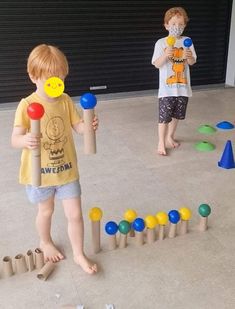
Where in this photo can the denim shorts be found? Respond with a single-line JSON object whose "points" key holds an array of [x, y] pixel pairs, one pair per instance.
{"points": [[63, 192]]}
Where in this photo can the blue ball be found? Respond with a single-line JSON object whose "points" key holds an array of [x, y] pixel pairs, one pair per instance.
{"points": [[88, 101], [174, 216], [138, 225], [188, 42], [111, 228]]}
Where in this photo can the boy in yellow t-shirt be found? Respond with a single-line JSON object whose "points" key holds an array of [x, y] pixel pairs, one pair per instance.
{"points": [[59, 170]]}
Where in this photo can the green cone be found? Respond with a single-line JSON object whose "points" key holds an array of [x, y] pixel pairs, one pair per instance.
{"points": [[206, 129], [204, 146]]}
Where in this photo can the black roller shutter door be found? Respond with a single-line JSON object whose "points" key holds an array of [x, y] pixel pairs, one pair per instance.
{"points": [[108, 43]]}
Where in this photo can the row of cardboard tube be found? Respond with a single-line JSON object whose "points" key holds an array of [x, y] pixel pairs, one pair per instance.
{"points": [[29, 262]]}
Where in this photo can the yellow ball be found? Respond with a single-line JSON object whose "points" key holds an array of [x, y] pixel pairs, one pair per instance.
{"points": [[130, 215], [54, 87], [162, 218], [95, 214], [170, 40], [150, 221], [185, 213]]}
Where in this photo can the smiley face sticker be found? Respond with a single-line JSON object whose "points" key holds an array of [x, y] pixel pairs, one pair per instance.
{"points": [[54, 87]]}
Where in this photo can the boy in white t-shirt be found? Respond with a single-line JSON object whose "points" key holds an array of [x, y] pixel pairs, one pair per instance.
{"points": [[174, 77]]}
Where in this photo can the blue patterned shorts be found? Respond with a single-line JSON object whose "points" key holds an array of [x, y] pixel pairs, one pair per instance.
{"points": [[172, 107], [63, 192]]}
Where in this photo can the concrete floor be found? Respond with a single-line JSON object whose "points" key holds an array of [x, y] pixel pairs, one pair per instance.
{"points": [[195, 271]]}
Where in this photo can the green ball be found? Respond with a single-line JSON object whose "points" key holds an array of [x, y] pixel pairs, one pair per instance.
{"points": [[124, 227], [204, 210]]}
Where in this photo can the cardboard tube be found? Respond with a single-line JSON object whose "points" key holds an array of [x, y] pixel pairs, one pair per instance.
{"points": [[29, 260], [183, 227], [39, 258], [151, 236], [139, 238], [47, 269], [112, 242], [20, 264], [131, 233], [89, 132], [203, 224], [95, 226], [161, 234], [172, 230], [36, 155], [7, 268], [122, 241]]}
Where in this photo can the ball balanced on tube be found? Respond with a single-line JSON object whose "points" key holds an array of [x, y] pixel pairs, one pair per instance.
{"points": [[130, 215], [185, 215], [188, 42], [124, 228], [95, 216], [170, 41], [174, 218], [139, 226], [151, 223], [88, 102], [35, 112], [111, 229], [162, 219], [204, 210]]}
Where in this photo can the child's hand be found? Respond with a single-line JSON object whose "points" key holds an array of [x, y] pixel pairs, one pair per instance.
{"points": [[188, 54], [95, 123], [31, 141], [169, 52]]}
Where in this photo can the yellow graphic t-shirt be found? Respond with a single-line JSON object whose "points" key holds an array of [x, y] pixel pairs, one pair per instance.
{"points": [[58, 154]]}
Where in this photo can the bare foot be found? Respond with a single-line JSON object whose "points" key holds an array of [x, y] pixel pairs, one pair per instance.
{"points": [[161, 150], [51, 253], [86, 265], [172, 143]]}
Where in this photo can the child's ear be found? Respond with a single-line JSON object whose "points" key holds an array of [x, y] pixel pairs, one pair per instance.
{"points": [[33, 80], [166, 26]]}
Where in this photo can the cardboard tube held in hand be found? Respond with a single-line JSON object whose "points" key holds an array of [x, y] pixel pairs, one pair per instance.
{"points": [[36, 155], [35, 112], [47, 269], [88, 101], [89, 132]]}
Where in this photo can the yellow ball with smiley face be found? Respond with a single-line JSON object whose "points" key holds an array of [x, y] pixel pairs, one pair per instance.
{"points": [[54, 87]]}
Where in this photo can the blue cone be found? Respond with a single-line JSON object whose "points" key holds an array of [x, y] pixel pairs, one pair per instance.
{"points": [[225, 125], [227, 160]]}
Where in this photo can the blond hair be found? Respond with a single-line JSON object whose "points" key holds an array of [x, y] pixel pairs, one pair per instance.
{"points": [[176, 11], [46, 61]]}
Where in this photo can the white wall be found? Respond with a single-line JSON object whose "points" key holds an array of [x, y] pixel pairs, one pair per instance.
{"points": [[230, 74]]}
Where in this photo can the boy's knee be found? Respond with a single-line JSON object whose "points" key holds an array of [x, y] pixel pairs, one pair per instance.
{"points": [[46, 212], [74, 215]]}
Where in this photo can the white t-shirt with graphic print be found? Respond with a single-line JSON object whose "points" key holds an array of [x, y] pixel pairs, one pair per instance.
{"points": [[174, 74]]}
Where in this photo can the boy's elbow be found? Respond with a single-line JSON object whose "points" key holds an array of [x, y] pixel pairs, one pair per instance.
{"points": [[192, 61], [156, 64], [13, 142]]}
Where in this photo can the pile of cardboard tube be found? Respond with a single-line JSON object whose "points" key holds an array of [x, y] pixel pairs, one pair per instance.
{"points": [[29, 262]]}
